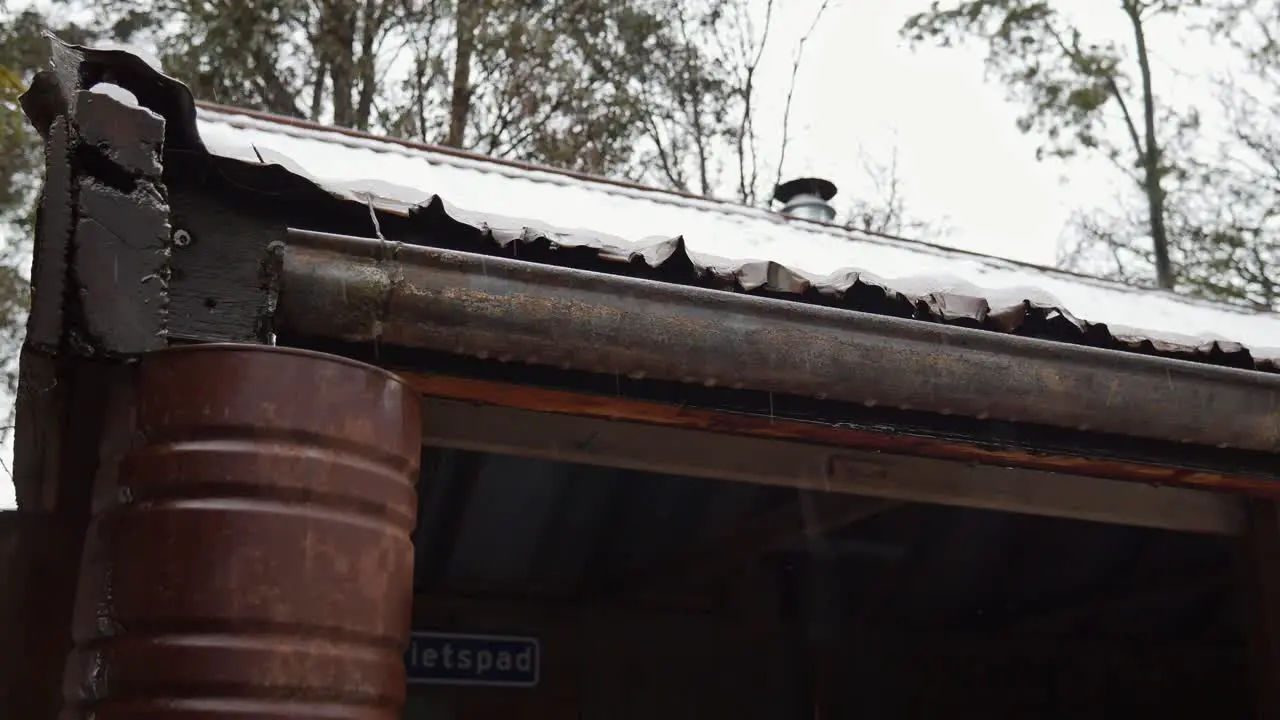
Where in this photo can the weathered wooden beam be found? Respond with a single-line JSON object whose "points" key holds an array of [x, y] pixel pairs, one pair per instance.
{"points": [[603, 407], [38, 561], [823, 467], [73, 425], [99, 273], [120, 246]]}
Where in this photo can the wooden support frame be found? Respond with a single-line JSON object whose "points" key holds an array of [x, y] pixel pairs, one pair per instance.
{"points": [[541, 399], [826, 468]]}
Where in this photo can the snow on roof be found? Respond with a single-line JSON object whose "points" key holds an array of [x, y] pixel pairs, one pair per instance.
{"points": [[397, 176]]}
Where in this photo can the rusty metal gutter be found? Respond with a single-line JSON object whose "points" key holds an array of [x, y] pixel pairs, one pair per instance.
{"points": [[370, 291]]}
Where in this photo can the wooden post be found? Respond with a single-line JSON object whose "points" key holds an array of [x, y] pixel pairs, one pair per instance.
{"points": [[98, 278], [69, 423], [1260, 575], [38, 558]]}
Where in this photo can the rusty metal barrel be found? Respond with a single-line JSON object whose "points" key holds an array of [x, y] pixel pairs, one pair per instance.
{"points": [[254, 557]]}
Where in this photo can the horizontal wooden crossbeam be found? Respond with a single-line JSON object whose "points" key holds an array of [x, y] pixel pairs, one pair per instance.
{"points": [[824, 468]]}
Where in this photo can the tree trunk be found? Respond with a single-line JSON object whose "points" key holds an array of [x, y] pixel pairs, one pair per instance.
{"points": [[374, 17], [338, 37], [1152, 172], [317, 91], [464, 48]]}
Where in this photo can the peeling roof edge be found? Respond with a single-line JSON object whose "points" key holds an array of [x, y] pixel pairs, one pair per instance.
{"points": [[82, 67]]}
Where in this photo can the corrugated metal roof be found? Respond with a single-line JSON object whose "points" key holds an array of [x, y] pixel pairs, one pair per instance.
{"points": [[746, 249]]}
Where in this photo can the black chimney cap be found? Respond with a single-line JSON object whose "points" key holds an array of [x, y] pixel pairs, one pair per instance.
{"points": [[824, 189]]}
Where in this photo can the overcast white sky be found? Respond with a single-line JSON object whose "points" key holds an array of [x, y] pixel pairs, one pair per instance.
{"points": [[960, 157]]}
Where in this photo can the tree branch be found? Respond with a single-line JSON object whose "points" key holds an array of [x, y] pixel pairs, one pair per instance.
{"points": [[791, 88], [747, 190]]}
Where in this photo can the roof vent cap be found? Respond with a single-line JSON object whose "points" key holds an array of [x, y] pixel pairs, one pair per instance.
{"points": [[807, 198]]}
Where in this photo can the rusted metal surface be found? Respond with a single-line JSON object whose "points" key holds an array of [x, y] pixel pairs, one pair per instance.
{"points": [[358, 290], [254, 559]]}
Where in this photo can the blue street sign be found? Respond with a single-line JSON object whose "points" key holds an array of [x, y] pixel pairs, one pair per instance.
{"points": [[456, 659]]}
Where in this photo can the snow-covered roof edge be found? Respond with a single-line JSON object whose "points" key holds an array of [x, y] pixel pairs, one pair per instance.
{"points": [[933, 298], [951, 299], [401, 199]]}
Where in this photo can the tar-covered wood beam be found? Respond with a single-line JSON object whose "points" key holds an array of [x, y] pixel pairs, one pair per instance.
{"points": [[72, 424], [38, 561], [99, 268], [98, 278], [120, 246], [809, 466], [100, 271], [371, 291]]}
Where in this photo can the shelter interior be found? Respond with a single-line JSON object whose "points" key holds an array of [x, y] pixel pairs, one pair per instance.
{"points": [[658, 595]]}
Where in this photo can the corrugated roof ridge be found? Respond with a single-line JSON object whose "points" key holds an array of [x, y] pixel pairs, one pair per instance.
{"points": [[487, 164]]}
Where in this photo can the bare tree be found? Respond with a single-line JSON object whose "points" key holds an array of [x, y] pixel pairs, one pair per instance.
{"points": [[750, 51], [1237, 249], [791, 86], [1079, 92], [883, 210], [700, 108]]}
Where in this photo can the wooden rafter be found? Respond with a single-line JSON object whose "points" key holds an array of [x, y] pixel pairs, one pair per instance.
{"points": [[531, 398], [825, 468]]}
